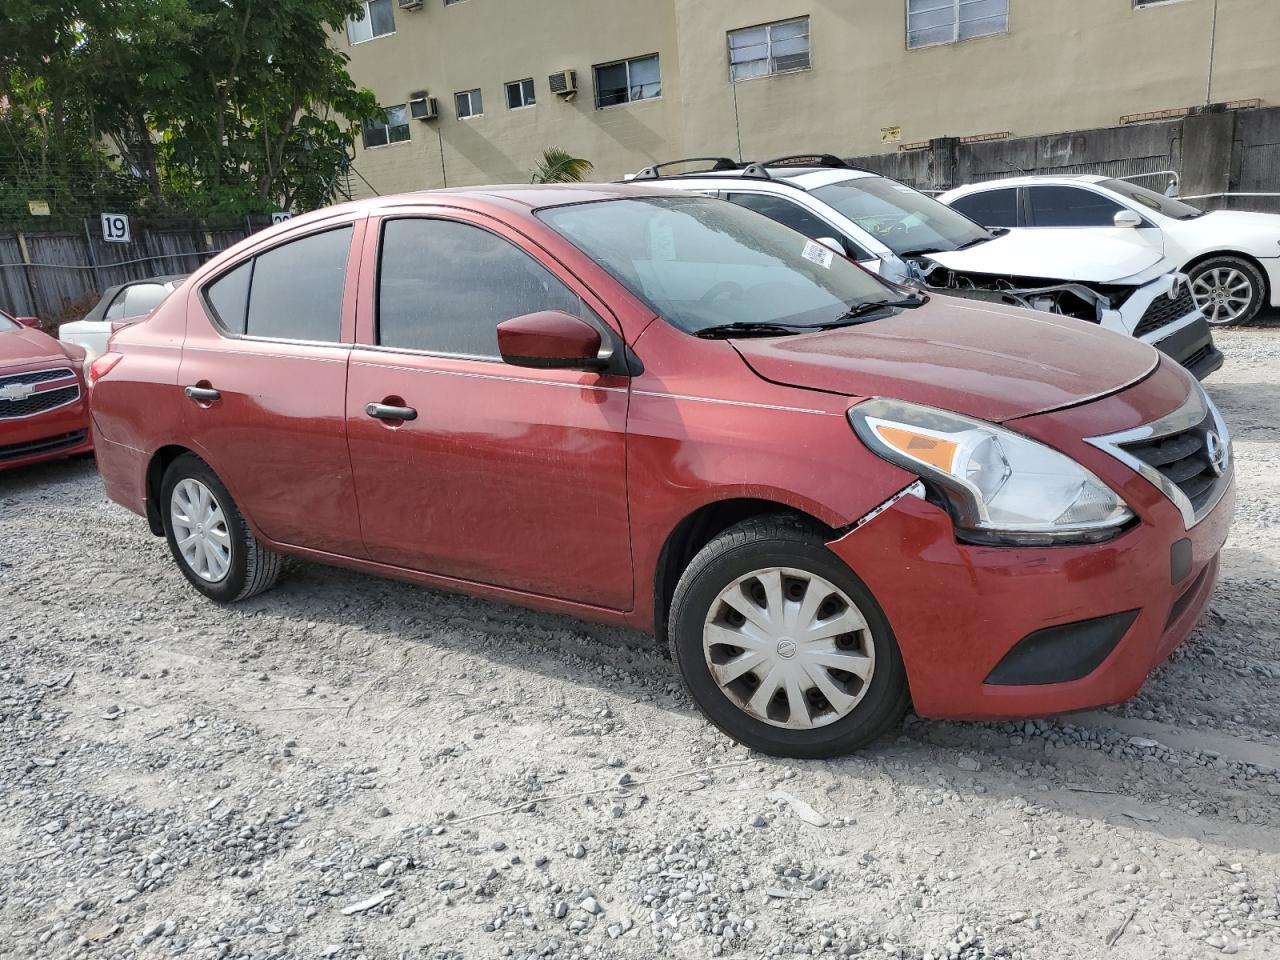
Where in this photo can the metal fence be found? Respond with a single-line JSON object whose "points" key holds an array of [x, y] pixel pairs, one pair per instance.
{"points": [[58, 273]]}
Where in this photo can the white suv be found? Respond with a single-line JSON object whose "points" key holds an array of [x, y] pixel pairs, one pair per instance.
{"points": [[1121, 282], [1231, 256]]}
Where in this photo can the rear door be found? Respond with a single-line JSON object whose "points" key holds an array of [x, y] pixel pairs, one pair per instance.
{"points": [[264, 367], [506, 476]]}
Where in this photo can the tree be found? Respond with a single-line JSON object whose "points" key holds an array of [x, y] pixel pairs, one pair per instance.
{"points": [[213, 105], [558, 166]]}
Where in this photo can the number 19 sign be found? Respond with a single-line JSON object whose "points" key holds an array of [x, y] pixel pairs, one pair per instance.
{"points": [[115, 228]]}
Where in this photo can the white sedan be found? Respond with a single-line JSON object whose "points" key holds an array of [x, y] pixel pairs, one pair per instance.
{"points": [[1231, 256], [122, 303]]}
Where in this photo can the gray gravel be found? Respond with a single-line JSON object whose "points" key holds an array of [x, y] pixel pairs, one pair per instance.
{"points": [[348, 767]]}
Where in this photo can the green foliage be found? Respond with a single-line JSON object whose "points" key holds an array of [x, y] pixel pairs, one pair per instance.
{"points": [[235, 106], [558, 166]]}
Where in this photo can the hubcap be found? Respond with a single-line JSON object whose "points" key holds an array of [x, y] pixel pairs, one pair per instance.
{"points": [[1223, 294], [200, 530], [789, 648]]}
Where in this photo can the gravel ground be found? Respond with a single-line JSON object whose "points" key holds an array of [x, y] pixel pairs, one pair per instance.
{"points": [[351, 767]]}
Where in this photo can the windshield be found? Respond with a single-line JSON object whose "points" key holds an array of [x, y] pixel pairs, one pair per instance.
{"points": [[6, 323], [903, 219], [1169, 206], [703, 263]]}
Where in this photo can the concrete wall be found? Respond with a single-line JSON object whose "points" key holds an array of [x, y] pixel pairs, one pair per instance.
{"points": [[1212, 152], [1062, 66]]}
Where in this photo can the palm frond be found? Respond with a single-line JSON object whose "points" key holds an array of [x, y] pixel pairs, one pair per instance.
{"points": [[558, 166]]}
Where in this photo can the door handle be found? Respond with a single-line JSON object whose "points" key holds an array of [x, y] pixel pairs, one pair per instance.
{"points": [[203, 394], [381, 411]]}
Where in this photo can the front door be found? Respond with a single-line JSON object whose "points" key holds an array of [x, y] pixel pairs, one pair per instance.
{"points": [[1076, 214], [504, 476]]}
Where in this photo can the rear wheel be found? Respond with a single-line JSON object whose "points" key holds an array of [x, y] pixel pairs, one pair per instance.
{"points": [[208, 537], [1228, 290], [782, 646]]}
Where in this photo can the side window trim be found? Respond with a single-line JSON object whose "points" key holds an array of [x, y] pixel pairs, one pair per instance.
{"points": [[607, 330], [355, 225]]}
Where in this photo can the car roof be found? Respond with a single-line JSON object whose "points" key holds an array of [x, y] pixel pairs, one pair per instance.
{"points": [[806, 178], [1028, 180]]}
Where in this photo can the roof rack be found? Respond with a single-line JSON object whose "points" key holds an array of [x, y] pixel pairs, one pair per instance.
{"points": [[807, 160], [654, 172]]}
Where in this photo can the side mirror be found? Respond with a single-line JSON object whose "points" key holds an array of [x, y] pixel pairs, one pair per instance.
{"points": [[551, 339], [831, 243], [1128, 218]]}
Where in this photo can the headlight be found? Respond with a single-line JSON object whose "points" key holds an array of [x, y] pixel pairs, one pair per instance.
{"points": [[1000, 486]]}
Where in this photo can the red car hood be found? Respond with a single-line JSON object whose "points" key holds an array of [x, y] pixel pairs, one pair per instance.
{"points": [[991, 362], [27, 345]]}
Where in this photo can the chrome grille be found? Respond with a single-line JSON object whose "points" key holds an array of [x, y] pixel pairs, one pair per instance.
{"points": [[20, 396], [1187, 455], [38, 376]]}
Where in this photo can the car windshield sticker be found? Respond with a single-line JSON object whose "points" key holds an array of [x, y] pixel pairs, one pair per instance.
{"points": [[662, 242], [817, 253]]}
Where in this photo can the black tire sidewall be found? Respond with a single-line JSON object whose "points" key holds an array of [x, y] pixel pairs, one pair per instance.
{"points": [[229, 587], [880, 708], [1256, 278]]}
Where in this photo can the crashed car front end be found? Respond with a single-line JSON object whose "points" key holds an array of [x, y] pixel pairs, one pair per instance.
{"points": [[1154, 306]]}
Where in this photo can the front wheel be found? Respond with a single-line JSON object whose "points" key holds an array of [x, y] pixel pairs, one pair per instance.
{"points": [[208, 537], [1228, 290], [782, 646]]}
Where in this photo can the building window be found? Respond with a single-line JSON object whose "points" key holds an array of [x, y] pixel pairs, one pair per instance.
{"points": [[946, 21], [378, 20], [468, 104], [772, 48], [519, 94], [395, 130], [628, 80]]}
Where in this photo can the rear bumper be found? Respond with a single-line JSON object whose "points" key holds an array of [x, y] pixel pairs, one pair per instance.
{"points": [[62, 432], [958, 610]]}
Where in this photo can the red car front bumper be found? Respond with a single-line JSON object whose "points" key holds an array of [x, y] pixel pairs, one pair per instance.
{"points": [[957, 610], [60, 432]]}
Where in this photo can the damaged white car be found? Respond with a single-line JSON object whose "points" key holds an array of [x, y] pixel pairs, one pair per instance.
{"points": [[1118, 282]]}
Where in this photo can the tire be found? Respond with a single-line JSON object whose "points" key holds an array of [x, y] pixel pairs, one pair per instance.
{"points": [[1228, 290], [800, 556], [247, 568]]}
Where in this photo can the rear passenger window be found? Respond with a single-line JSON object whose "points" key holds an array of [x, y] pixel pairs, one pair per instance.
{"points": [[991, 208], [229, 297], [444, 286], [296, 293]]}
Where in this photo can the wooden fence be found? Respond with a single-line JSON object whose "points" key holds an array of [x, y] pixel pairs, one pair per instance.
{"points": [[58, 272]]}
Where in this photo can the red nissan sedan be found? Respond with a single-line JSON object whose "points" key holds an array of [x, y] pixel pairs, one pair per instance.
{"points": [[833, 497], [43, 411]]}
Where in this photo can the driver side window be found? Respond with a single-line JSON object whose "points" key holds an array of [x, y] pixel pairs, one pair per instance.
{"points": [[796, 217], [1069, 207]]}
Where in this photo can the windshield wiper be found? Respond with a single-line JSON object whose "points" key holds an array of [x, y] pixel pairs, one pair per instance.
{"points": [[974, 242], [859, 313], [747, 328]]}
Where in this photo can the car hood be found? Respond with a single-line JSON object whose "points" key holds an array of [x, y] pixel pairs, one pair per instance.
{"points": [[988, 361], [1078, 255], [27, 345], [1229, 229]]}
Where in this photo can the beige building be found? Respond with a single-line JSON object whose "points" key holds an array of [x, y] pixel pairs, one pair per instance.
{"points": [[754, 79]]}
